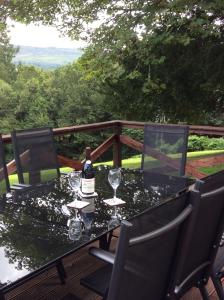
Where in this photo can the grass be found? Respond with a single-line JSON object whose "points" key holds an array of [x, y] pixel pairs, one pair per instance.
{"points": [[134, 162], [46, 175]]}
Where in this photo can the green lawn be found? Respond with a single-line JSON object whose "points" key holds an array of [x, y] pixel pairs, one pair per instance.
{"points": [[134, 162], [46, 175]]}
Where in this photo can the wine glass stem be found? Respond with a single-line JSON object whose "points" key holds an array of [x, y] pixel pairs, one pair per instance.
{"points": [[115, 194], [75, 196], [115, 210], [76, 214]]}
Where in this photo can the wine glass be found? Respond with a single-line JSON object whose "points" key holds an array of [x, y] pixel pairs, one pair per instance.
{"points": [[114, 178]]}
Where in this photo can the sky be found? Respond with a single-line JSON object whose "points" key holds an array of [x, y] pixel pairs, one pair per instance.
{"points": [[39, 36]]}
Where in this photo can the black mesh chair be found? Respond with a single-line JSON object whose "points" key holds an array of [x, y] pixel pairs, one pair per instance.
{"points": [[4, 180], [216, 181], [35, 155], [199, 248], [218, 272], [143, 261], [164, 155]]}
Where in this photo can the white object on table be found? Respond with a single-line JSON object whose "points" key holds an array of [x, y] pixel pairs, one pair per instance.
{"points": [[78, 204], [114, 201]]}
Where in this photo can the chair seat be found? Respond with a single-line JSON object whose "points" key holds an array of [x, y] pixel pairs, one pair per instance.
{"points": [[99, 280]]}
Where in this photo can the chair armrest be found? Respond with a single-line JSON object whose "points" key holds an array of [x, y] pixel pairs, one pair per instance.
{"points": [[102, 254], [64, 173], [23, 185], [20, 186], [16, 188]]}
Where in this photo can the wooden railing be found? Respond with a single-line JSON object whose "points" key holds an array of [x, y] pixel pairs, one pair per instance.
{"points": [[117, 139]]}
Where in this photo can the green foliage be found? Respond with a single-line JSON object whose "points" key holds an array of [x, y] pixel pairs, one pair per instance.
{"points": [[173, 72], [198, 143], [151, 60], [53, 98], [7, 52], [136, 134], [147, 60]]}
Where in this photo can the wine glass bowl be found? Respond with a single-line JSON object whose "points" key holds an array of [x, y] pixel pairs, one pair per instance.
{"points": [[114, 178], [75, 229]]}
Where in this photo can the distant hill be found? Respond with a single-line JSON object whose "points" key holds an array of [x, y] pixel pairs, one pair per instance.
{"points": [[46, 58]]}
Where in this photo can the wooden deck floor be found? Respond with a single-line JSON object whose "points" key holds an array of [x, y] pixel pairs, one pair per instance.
{"points": [[48, 287]]}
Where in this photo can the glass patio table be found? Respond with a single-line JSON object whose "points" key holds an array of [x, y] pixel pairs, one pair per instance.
{"points": [[34, 223]]}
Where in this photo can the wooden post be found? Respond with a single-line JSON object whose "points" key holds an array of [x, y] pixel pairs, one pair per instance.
{"points": [[117, 147]]}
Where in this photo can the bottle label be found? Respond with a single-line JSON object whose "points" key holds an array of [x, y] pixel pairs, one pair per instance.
{"points": [[88, 185]]}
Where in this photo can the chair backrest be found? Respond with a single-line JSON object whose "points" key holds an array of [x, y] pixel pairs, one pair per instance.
{"points": [[35, 155], [4, 180], [212, 182], [145, 251], [165, 149], [202, 238]]}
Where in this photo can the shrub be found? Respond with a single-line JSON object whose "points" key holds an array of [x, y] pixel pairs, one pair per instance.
{"points": [[200, 143]]}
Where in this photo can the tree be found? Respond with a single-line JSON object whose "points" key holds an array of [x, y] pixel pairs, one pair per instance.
{"points": [[153, 60], [31, 106], [7, 52], [73, 100]]}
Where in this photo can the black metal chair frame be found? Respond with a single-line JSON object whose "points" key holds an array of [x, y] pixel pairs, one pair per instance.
{"points": [[118, 259], [172, 129], [217, 273], [5, 172], [200, 275], [17, 154], [181, 280]]}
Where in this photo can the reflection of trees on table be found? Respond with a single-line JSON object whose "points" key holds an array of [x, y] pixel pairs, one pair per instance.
{"points": [[22, 244], [33, 225]]}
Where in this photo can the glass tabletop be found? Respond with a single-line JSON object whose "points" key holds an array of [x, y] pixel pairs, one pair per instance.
{"points": [[34, 223]]}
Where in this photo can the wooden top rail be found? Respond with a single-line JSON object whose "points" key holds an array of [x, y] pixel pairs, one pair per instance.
{"points": [[74, 129], [198, 130], [194, 129]]}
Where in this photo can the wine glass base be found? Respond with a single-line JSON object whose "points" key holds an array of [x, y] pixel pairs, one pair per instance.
{"points": [[78, 204], [114, 201]]}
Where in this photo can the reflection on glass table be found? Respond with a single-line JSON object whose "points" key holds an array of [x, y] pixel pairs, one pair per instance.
{"points": [[88, 214], [75, 229], [75, 225], [33, 224]]}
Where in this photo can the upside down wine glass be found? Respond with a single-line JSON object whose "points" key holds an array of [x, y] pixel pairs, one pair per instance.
{"points": [[75, 182], [114, 178]]}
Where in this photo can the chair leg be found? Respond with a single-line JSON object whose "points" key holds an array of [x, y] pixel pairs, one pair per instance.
{"points": [[218, 287], [204, 292], [61, 271], [2, 296]]}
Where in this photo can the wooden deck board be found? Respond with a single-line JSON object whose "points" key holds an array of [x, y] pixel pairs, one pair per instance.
{"points": [[47, 286]]}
